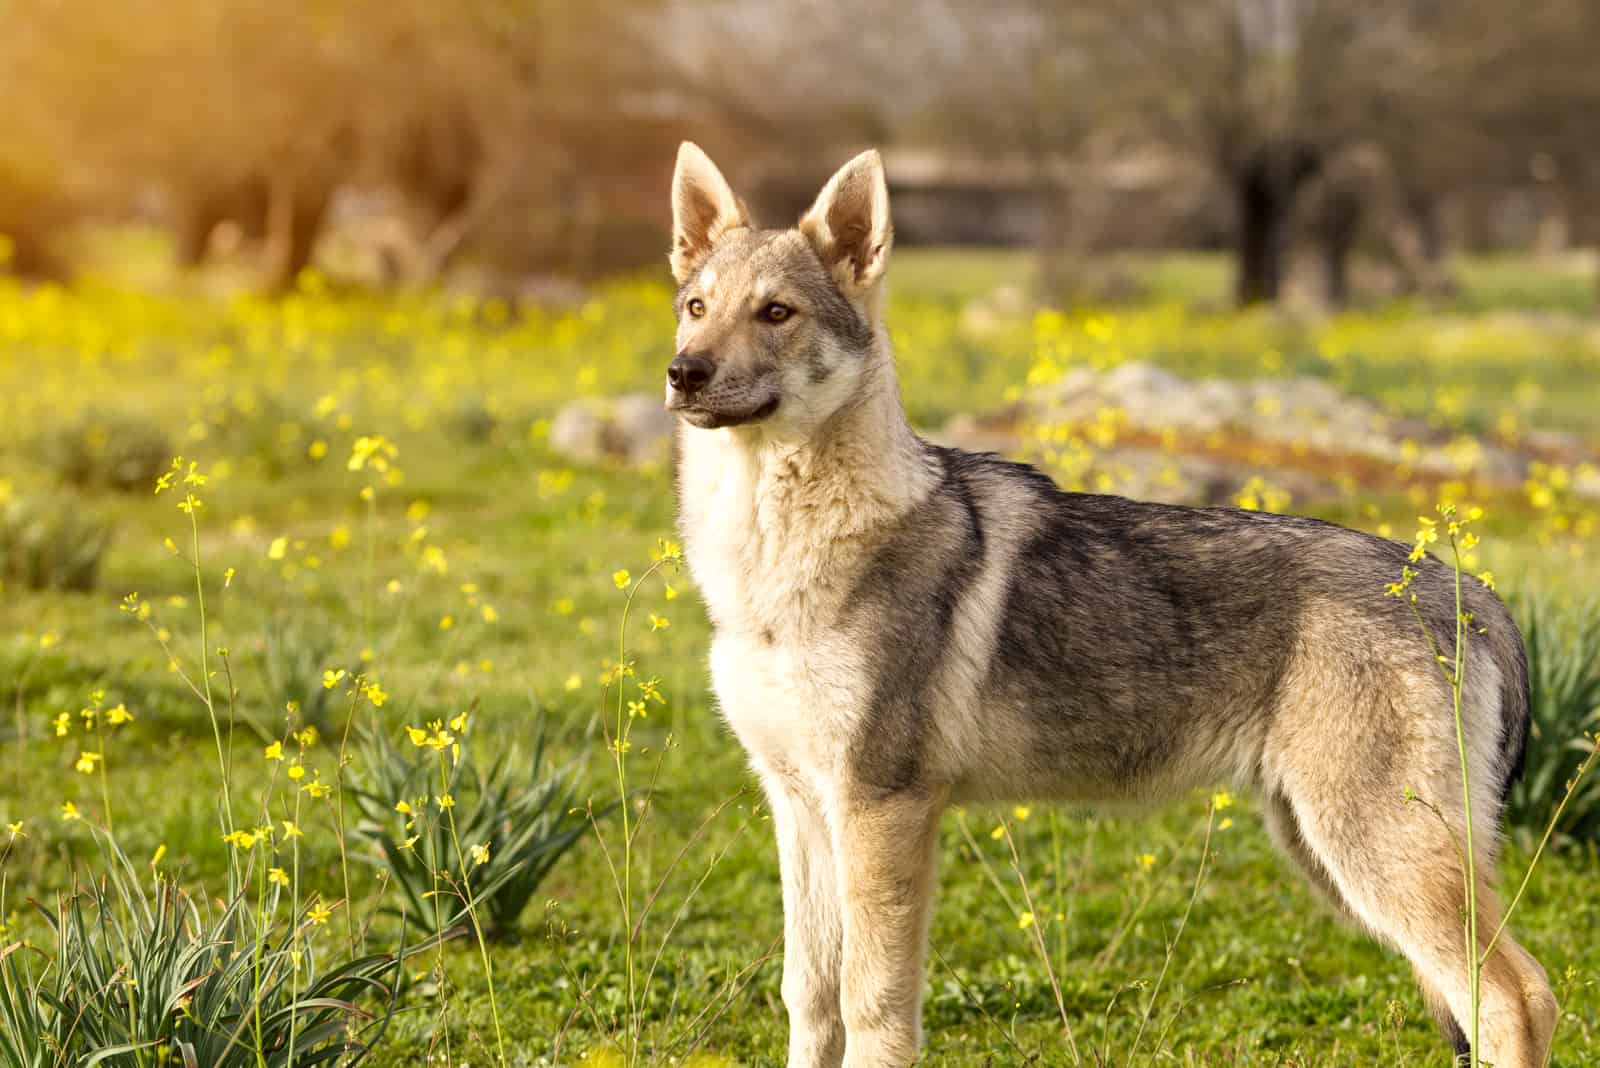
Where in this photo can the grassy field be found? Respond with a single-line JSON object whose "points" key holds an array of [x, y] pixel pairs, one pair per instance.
{"points": [[460, 564]]}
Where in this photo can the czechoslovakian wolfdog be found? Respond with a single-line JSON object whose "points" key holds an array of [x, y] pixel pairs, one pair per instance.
{"points": [[901, 626]]}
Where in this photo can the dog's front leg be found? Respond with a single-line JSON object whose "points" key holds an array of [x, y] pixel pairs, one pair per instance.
{"points": [[812, 931], [885, 850]]}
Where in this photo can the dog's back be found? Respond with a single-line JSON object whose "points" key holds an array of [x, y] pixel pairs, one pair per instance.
{"points": [[1112, 649]]}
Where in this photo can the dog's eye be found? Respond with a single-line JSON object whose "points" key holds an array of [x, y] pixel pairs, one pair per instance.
{"points": [[776, 313], [697, 308]]}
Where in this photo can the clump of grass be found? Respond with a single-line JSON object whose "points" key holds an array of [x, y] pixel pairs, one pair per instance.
{"points": [[120, 452], [292, 657], [1563, 642], [268, 437], [517, 814], [50, 545], [138, 977], [474, 419]]}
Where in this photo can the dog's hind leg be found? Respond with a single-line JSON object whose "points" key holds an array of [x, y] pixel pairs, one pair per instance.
{"points": [[1417, 903], [1284, 829], [1397, 867]]}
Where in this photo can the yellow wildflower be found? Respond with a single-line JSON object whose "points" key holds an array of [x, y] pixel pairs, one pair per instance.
{"points": [[375, 451]]}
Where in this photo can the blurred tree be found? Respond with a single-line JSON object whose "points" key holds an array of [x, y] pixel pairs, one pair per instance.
{"points": [[1394, 102], [1535, 92], [36, 200], [1265, 91], [258, 113]]}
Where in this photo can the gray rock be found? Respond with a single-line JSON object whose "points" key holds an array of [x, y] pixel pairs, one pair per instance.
{"points": [[631, 429], [642, 428], [579, 430]]}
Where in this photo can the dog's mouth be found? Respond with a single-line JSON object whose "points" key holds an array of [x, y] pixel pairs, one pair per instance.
{"points": [[713, 418]]}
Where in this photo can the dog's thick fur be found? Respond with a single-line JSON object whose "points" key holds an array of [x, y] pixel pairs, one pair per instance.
{"points": [[900, 626]]}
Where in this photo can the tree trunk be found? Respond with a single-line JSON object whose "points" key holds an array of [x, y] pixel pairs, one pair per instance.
{"points": [[1341, 227], [1423, 206], [297, 221], [192, 232], [1265, 185], [1336, 270], [1261, 241], [32, 256]]}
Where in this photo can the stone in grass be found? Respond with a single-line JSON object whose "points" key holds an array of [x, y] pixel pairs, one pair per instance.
{"points": [[632, 429]]}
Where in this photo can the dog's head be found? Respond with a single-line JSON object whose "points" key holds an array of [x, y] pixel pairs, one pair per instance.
{"points": [[775, 327]]}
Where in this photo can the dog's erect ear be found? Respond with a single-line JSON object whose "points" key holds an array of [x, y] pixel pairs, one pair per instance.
{"points": [[849, 223], [703, 209]]}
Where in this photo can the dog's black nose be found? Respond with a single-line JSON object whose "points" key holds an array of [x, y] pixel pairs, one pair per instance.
{"points": [[689, 374]]}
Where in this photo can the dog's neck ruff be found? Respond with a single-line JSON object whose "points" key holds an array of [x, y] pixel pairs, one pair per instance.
{"points": [[776, 530]]}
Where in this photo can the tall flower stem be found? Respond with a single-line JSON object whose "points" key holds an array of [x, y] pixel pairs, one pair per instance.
{"points": [[472, 908]]}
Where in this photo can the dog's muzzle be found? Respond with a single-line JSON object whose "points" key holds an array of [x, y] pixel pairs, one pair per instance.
{"points": [[695, 393]]}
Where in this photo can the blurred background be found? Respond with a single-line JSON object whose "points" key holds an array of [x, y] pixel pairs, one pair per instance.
{"points": [[1331, 151]]}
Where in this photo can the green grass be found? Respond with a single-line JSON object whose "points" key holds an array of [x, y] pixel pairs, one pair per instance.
{"points": [[1558, 284], [1261, 976]]}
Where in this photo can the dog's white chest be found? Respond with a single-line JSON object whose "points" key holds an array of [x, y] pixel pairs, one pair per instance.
{"points": [[791, 707]]}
